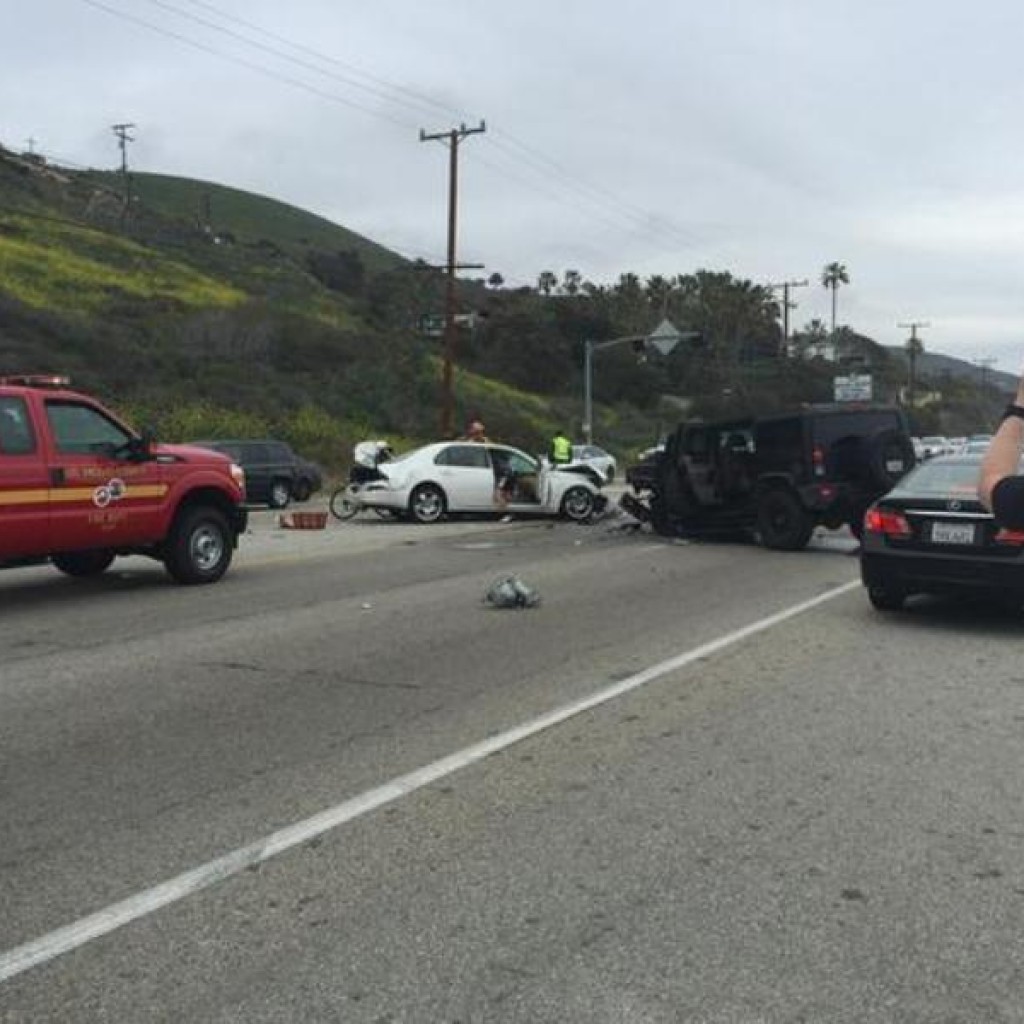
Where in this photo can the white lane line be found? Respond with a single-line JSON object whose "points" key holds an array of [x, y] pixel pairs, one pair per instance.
{"points": [[63, 940]]}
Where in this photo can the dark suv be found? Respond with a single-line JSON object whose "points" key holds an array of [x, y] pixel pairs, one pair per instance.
{"points": [[274, 474], [778, 476]]}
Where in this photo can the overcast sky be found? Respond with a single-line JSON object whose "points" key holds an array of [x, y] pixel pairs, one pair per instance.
{"points": [[657, 136]]}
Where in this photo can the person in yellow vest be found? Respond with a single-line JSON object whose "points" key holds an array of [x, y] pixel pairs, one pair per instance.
{"points": [[561, 449]]}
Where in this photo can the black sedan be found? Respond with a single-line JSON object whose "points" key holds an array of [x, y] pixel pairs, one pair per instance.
{"points": [[931, 534]]}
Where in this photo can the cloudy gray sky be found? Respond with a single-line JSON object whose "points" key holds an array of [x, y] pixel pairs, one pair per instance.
{"points": [[763, 138]]}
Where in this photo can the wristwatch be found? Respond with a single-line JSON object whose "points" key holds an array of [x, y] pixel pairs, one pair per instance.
{"points": [[1014, 410]]}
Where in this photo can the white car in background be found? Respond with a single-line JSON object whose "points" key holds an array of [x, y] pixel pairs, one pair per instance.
{"points": [[598, 458], [973, 448], [460, 476], [935, 445]]}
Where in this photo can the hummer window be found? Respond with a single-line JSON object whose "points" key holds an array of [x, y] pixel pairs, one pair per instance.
{"points": [[829, 429]]}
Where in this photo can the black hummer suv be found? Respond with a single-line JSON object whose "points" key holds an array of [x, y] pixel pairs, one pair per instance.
{"points": [[778, 476]]}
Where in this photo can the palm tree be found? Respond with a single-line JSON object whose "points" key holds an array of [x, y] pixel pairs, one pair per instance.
{"points": [[571, 281], [546, 281], [832, 277]]}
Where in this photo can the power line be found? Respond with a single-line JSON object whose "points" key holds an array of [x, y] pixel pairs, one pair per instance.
{"points": [[273, 51], [250, 65], [640, 221], [418, 97]]}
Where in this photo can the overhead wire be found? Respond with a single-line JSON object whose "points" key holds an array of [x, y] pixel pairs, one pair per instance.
{"points": [[250, 65], [613, 211], [497, 138]]}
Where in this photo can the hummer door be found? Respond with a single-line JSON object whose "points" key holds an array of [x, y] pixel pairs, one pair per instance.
{"points": [[698, 455]]}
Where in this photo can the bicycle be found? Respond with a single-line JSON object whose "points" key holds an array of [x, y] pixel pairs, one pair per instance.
{"points": [[346, 504], [345, 501]]}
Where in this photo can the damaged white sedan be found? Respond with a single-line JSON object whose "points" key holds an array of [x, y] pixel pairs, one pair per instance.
{"points": [[465, 477]]}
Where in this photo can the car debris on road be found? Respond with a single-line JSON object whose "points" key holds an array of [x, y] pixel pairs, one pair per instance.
{"points": [[511, 592]]}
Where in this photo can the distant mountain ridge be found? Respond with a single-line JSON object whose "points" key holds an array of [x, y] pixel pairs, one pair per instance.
{"points": [[934, 365]]}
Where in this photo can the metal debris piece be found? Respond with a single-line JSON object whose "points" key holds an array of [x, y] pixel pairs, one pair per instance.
{"points": [[511, 592]]}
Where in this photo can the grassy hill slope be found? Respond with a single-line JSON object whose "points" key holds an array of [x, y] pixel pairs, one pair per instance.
{"points": [[261, 334], [247, 216]]}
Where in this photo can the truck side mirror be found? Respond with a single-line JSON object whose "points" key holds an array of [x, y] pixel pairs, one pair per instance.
{"points": [[141, 448]]}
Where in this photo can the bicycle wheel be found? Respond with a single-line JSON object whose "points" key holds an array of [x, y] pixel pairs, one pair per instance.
{"points": [[343, 505]]}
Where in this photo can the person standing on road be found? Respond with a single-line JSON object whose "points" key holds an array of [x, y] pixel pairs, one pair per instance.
{"points": [[1001, 484], [561, 449]]}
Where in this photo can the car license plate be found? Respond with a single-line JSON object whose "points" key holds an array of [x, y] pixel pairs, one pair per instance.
{"points": [[894, 466], [952, 533]]}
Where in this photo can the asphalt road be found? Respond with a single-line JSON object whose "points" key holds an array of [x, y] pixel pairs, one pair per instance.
{"points": [[819, 820]]}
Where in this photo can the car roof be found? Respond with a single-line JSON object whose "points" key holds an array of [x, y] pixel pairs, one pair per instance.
{"points": [[241, 440], [23, 390]]}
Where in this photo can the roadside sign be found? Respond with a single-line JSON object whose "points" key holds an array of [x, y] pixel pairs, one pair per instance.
{"points": [[853, 388], [664, 337], [432, 324]]}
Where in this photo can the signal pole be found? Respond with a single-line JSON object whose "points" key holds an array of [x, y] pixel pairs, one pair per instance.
{"points": [[453, 138], [914, 346], [123, 138], [787, 306]]}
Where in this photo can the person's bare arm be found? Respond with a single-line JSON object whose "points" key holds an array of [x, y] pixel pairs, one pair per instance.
{"points": [[1003, 456]]}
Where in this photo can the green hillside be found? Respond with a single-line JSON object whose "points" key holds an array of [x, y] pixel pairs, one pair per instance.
{"points": [[275, 322], [206, 311], [247, 216]]}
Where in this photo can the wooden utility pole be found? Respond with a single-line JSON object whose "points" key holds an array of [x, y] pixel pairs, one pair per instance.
{"points": [[914, 346], [123, 138], [453, 138], [786, 307]]}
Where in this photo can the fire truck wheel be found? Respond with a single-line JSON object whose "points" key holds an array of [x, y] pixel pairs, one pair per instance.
{"points": [[200, 546]]}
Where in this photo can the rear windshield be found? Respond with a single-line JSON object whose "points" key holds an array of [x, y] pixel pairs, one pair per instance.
{"points": [[954, 477], [828, 429]]}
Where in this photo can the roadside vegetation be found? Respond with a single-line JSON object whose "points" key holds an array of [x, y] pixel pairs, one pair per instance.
{"points": [[207, 312]]}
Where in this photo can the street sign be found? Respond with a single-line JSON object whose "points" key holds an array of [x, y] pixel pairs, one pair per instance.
{"points": [[856, 387], [664, 337], [432, 325]]}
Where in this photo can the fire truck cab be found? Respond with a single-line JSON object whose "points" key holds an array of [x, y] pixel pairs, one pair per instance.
{"points": [[78, 487]]}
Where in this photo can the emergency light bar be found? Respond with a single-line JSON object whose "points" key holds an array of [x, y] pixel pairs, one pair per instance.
{"points": [[37, 380]]}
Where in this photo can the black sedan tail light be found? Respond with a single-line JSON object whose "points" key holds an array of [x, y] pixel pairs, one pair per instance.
{"points": [[888, 522]]}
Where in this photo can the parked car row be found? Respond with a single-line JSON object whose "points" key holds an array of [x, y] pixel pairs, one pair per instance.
{"points": [[934, 445]]}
